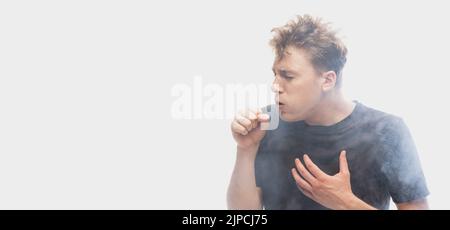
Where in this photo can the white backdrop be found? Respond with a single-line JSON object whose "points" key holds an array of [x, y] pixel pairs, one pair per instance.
{"points": [[85, 93]]}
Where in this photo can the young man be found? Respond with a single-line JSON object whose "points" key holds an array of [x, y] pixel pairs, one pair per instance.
{"points": [[328, 152]]}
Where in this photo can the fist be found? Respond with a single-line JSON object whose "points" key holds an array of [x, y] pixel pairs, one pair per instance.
{"points": [[246, 128]]}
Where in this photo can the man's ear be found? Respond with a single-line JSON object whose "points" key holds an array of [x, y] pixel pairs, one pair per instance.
{"points": [[328, 80]]}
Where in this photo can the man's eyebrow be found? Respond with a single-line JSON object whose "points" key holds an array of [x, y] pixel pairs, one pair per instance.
{"points": [[283, 71]]}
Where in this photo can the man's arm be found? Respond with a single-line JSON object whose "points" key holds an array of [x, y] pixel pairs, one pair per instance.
{"points": [[421, 204], [242, 191]]}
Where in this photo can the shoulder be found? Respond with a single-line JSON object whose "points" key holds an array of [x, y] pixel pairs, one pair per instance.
{"points": [[384, 129], [391, 133], [379, 121]]}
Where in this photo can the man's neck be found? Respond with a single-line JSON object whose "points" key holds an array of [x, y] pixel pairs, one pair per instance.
{"points": [[331, 110]]}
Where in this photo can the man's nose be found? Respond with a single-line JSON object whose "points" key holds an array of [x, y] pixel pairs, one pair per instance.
{"points": [[276, 87]]}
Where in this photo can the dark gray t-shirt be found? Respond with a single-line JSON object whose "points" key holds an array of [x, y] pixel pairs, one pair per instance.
{"points": [[381, 155]]}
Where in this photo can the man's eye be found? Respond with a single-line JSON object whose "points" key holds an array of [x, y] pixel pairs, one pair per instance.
{"points": [[287, 77]]}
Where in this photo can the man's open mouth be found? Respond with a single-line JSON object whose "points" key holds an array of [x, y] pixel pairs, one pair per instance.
{"points": [[281, 105]]}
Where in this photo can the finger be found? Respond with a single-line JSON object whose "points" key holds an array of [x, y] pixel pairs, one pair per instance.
{"points": [[306, 193], [304, 172], [250, 114], [319, 174], [236, 127], [243, 121], [262, 117], [253, 118], [343, 165], [300, 181]]}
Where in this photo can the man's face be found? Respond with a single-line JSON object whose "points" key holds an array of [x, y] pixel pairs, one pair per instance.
{"points": [[298, 84]]}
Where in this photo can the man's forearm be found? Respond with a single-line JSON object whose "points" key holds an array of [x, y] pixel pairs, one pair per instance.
{"points": [[242, 191]]}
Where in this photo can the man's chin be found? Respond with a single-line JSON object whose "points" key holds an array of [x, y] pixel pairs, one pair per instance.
{"points": [[287, 117]]}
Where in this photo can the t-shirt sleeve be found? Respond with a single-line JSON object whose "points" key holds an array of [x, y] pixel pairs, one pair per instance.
{"points": [[401, 165]]}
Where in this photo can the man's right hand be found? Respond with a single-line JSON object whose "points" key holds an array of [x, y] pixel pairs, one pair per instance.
{"points": [[246, 128]]}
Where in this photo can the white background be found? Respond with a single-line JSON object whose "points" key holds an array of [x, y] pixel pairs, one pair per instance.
{"points": [[85, 93]]}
